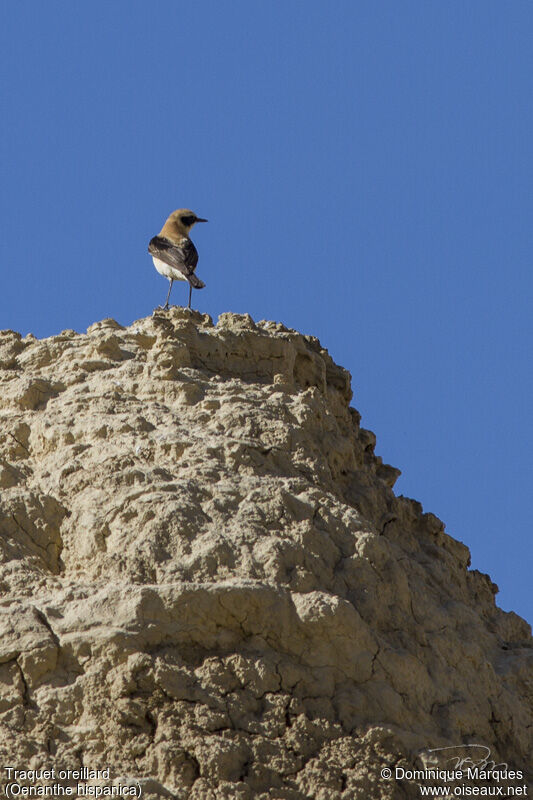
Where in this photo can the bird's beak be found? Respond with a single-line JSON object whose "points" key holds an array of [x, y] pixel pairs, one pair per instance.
{"points": [[198, 219]]}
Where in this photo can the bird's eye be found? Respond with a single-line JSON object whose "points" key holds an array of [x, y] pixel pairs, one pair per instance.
{"points": [[188, 219]]}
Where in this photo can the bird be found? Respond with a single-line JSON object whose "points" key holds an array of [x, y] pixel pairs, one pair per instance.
{"points": [[174, 254]]}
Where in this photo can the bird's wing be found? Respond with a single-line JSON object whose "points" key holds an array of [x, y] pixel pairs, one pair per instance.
{"points": [[182, 256]]}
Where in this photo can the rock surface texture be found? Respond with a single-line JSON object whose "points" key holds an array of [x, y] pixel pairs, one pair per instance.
{"points": [[210, 587]]}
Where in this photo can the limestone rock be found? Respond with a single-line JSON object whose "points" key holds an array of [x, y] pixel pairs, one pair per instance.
{"points": [[210, 587]]}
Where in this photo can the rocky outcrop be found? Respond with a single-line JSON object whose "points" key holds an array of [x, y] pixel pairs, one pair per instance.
{"points": [[210, 588]]}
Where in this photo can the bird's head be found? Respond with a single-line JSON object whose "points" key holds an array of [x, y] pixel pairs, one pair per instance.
{"points": [[182, 220]]}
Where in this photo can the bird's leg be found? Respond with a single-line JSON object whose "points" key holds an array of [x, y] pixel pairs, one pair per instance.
{"points": [[169, 290], [190, 295]]}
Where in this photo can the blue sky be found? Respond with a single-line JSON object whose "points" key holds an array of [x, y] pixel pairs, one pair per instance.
{"points": [[366, 170]]}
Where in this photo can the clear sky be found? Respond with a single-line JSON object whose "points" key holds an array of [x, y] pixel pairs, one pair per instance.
{"points": [[366, 171]]}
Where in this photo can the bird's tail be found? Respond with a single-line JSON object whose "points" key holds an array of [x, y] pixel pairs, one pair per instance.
{"points": [[195, 282]]}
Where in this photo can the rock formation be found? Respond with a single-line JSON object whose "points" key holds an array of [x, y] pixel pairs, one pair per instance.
{"points": [[210, 588]]}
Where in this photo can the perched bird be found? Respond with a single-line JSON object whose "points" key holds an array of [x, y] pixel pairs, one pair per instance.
{"points": [[173, 253]]}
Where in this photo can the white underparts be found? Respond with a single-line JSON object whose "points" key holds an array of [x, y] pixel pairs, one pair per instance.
{"points": [[167, 271]]}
